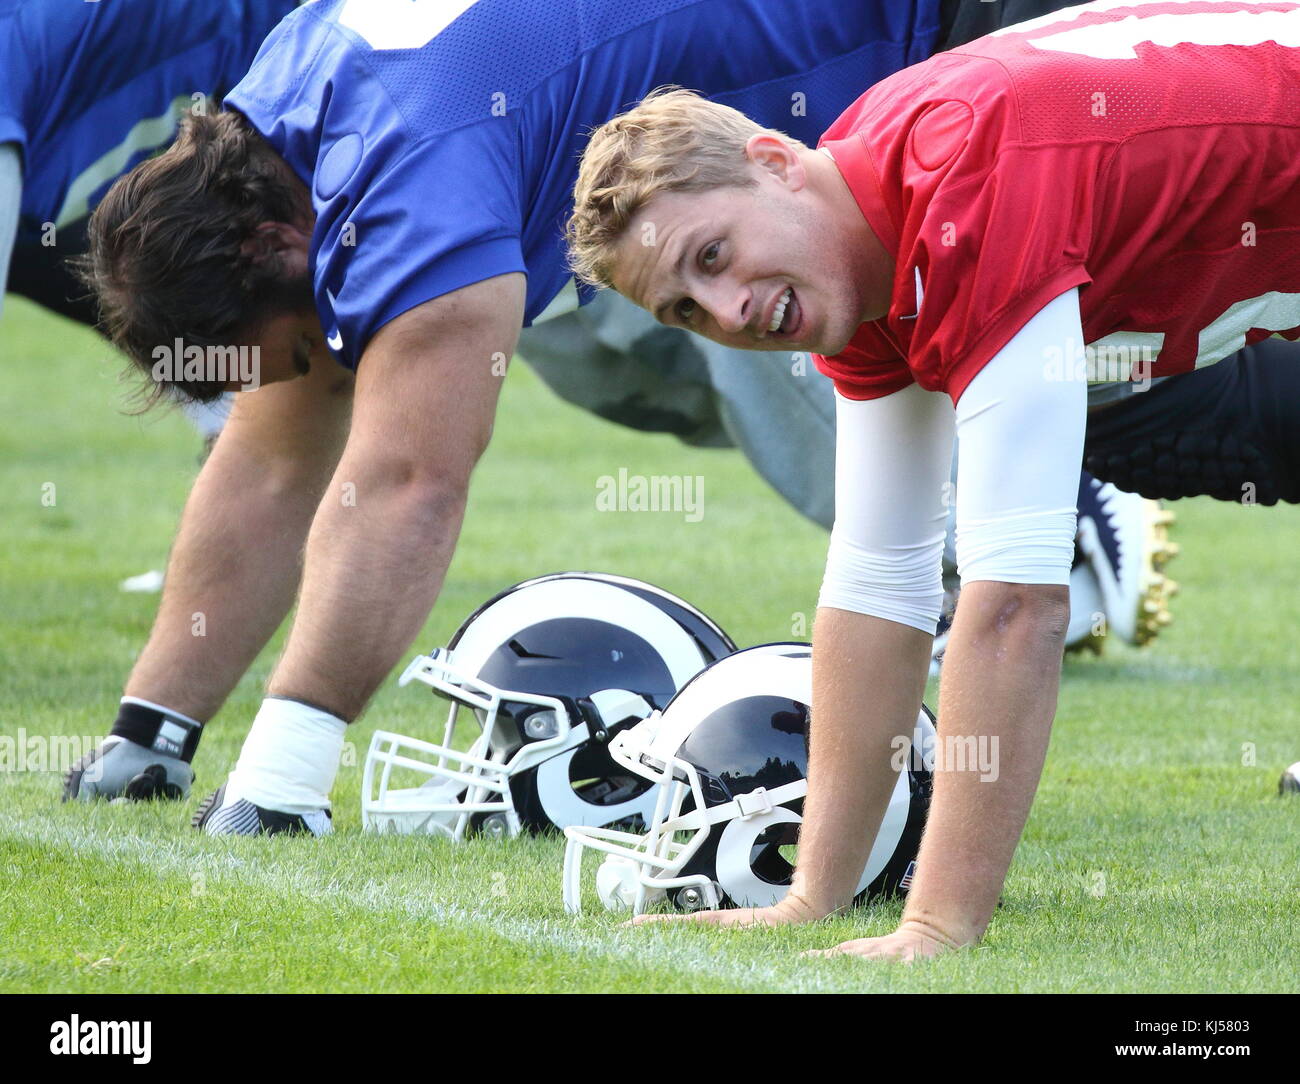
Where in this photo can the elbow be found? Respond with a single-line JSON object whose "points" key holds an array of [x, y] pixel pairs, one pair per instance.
{"points": [[434, 475], [438, 498], [406, 488]]}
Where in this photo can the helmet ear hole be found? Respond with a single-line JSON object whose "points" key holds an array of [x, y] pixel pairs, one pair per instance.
{"points": [[750, 868], [596, 779], [773, 854], [491, 825]]}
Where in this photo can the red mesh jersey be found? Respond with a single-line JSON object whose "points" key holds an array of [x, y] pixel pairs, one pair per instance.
{"points": [[1148, 153]]}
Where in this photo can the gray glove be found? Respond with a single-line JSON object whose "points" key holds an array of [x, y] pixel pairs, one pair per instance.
{"points": [[119, 767], [145, 756]]}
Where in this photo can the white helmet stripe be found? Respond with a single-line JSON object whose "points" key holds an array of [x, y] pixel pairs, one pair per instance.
{"points": [[593, 600]]}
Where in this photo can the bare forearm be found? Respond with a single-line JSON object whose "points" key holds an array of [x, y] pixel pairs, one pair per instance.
{"points": [[381, 541], [868, 681], [374, 570], [230, 580], [1001, 676]]}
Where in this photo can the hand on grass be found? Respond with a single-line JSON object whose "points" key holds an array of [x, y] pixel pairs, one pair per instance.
{"points": [[791, 911], [910, 942]]}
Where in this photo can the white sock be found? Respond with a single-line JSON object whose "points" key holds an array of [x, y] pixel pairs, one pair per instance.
{"points": [[289, 759]]}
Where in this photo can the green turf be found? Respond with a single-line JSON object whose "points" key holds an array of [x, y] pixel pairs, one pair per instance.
{"points": [[1155, 859]]}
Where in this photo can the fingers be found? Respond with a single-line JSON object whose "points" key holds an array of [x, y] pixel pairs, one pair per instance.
{"points": [[893, 949], [739, 917], [845, 948], [150, 784], [712, 918]]}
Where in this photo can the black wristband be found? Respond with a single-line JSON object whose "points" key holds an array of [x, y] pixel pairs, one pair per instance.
{"points": [[157, 730]]}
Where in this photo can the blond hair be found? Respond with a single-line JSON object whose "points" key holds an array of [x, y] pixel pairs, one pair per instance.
{"points": [[673, 141]]}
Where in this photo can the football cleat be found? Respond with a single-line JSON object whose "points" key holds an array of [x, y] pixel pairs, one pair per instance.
{"points": [[219, 815], [1290, 781], [946, 615], [1088, 623], [1125, 539], [118, 767]]}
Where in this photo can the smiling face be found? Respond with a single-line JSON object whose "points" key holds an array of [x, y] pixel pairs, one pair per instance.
{"points": [[764, 267]]}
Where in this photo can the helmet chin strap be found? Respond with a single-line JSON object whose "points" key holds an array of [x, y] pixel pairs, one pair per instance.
{"points": [[755, 803]]}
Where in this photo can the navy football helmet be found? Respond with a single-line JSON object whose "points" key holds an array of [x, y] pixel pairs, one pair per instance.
{"points": [[731, 755], [549, 671]]}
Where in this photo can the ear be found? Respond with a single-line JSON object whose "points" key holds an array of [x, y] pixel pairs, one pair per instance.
{"points": [[281, 243], [775, 156]]}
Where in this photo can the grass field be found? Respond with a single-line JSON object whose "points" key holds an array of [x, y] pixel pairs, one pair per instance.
{"points": [[1158, 856]]}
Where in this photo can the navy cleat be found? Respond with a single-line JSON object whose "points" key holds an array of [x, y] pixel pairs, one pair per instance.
{"points": [[1125, 539], [1290, 781], [218, 815]]}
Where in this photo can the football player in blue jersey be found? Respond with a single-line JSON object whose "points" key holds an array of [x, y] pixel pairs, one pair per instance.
{"points": [[87, 91], [378, 213]]}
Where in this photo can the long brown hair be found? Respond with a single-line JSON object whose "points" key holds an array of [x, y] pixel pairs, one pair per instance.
{"points": [[169, 256]]}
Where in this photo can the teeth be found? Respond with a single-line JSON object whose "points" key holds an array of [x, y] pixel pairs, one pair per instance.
{"points": [[779, 314]]}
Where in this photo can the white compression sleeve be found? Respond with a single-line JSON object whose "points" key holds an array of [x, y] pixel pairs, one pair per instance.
{"points": [[1020, 429], [893, 461], [11, 198]]}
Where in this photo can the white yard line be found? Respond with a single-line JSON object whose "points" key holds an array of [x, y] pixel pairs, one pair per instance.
{"points": [[273, 875]]}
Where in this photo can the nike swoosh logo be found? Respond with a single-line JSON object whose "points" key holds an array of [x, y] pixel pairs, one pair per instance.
{"points": [[334, 342]]}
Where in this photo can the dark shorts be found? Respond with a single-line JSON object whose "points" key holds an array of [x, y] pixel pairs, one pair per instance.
{"points": [[1229, 431], [41, 274], [966, 20]]}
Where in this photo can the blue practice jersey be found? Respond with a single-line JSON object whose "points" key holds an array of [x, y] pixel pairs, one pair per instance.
{"points": [[87, 90], [441, 138]]}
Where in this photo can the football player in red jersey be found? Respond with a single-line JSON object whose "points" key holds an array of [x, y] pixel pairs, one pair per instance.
{"points": [[1103, 198]]}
